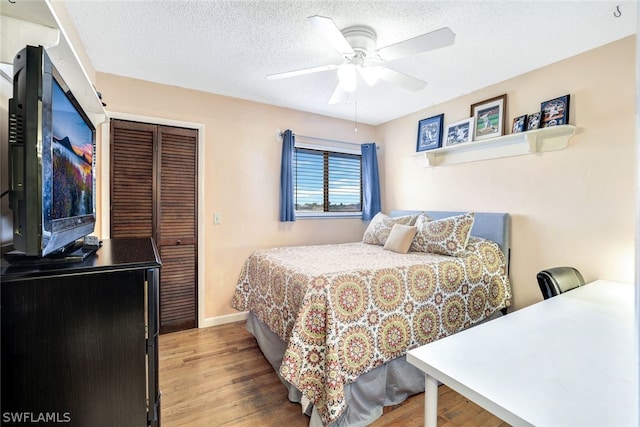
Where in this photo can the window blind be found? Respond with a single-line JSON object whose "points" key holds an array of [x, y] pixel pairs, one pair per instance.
{"points": [[327, 181]]}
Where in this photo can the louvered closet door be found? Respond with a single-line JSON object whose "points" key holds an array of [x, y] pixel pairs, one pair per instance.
{"points": [[177, 228], [154, 193], [132, 179]]}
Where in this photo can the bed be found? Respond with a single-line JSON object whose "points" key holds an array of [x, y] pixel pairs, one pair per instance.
{"points": [[335, 321]]}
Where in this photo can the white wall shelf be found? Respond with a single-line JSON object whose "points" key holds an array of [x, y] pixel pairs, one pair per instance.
{"points": [[35, 23], [516, 144]]}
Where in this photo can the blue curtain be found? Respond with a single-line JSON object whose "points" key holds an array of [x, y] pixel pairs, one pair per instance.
{"points": [[287, 211], [370, 182]]}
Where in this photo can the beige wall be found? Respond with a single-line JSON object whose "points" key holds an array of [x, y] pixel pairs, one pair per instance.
{"points": [[240, 176], [570, 207]]}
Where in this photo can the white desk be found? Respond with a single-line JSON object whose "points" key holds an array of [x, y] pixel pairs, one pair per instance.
{"points": [[567, 361]]}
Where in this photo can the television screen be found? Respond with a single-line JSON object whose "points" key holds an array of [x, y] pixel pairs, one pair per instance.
{"points": [[72, 152]]}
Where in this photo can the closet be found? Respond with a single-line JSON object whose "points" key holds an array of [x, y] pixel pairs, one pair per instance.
{"points": [[154, 182]]}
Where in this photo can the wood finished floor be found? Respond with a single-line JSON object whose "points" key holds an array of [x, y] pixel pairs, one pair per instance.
{"points": [[218, 376]]}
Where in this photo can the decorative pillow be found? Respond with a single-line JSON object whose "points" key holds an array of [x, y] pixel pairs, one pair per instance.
{"points": [[380, 227], [447, 236], [400, 238]]}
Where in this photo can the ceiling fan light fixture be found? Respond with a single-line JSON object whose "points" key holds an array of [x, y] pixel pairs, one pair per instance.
{"points": [[370, 74], [358, 46], [347, 77]]}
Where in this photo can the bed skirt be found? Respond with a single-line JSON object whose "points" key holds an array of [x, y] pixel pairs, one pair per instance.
{"points": [[389, 384]]}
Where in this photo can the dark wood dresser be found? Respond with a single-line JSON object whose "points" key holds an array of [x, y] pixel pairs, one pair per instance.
{"points": [[80, 339]]}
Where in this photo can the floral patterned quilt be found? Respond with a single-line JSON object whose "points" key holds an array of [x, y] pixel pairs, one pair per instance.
{"points": [[346, 309]]}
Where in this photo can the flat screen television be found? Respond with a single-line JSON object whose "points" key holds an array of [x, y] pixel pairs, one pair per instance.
{"points": [[51, 159]]}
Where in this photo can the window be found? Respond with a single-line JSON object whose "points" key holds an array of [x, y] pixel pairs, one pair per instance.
{"points": [[326, 181]]}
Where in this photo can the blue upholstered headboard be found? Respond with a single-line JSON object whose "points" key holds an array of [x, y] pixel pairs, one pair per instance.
{"points": [[488, 225]]}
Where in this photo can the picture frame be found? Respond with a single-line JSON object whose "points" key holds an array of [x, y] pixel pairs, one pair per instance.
{"points": [[489, 119], [430, 133], [555, 112], [533, 120], [519, 124], [458, 132]]}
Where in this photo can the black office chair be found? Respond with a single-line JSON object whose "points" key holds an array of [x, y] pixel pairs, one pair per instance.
{"points": [[557, 280]]}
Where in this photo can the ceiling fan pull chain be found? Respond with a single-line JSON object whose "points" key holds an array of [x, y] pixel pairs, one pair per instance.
{"points": [[356, 115]]}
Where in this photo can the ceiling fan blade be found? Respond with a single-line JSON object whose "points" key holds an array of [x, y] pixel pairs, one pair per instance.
{"points": [[400, 79], [429, 41], [331, 33], [339, 95], [302, 72]]}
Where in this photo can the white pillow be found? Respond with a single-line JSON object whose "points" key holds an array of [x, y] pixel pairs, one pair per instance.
{"points": [[400, 238]]}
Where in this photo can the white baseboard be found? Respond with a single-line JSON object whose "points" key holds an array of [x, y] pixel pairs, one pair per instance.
{"points": [[221, 320]]}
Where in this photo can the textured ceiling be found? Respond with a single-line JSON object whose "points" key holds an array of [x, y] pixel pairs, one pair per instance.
{"points": [[228, 47]]}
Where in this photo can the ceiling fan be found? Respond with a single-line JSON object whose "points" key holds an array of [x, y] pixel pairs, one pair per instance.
{"points": [[357, 45]]}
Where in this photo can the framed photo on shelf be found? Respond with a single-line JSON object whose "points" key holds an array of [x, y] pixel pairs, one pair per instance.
{"points": [[555, 112], [458, 132], [489, 119], [519, 124], [533, 121], [430, 133]]}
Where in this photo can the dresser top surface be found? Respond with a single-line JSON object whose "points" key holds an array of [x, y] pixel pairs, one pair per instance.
{"points": [[113, 255]]}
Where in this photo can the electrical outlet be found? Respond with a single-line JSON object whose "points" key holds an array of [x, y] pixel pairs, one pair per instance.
{"points": [[217, 218]]}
